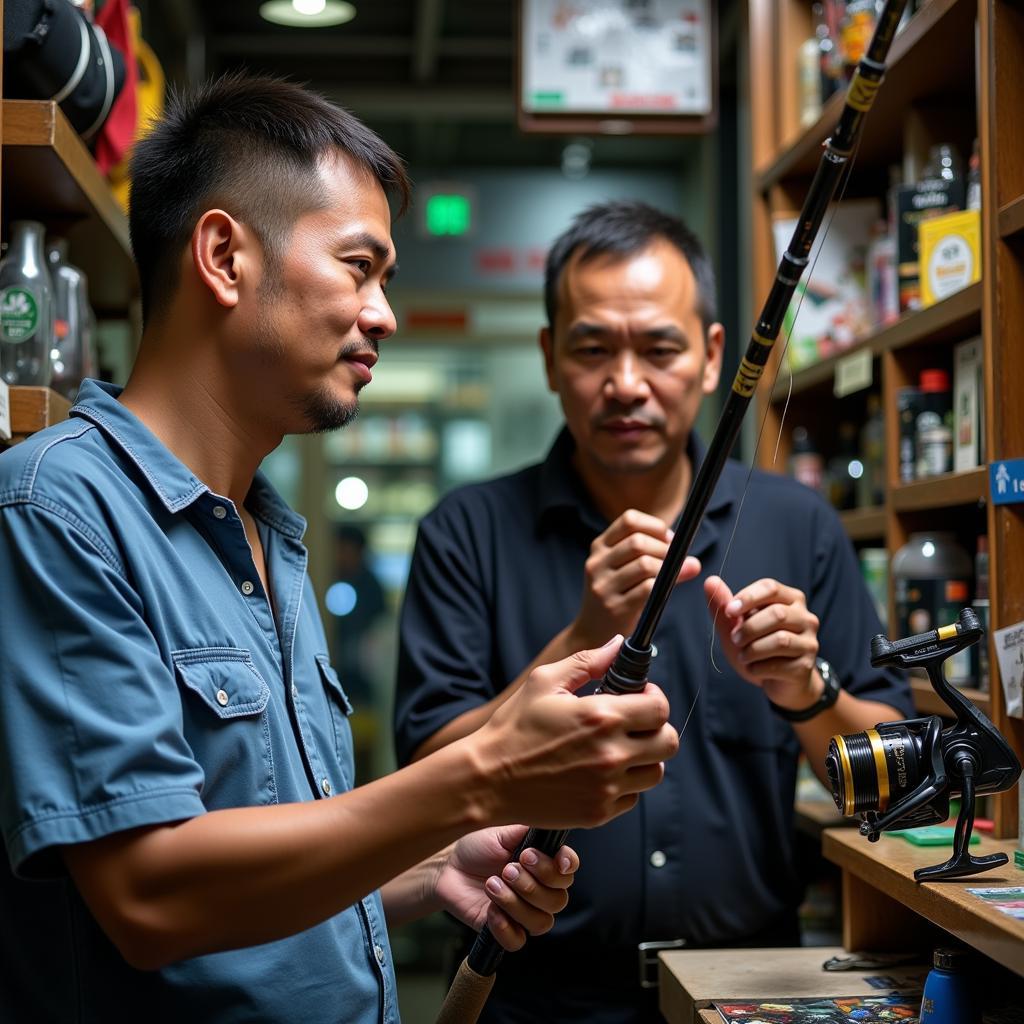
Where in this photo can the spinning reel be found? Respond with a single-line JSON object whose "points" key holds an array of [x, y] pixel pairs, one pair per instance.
{"points": [[902, 774]]}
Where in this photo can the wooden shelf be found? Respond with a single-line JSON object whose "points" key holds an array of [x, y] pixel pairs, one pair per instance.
{"points": [[889, 864], [864, 523], [49, 175], [1011, 218], [947, 321], [928, 702], [946, 491], [35, 408], [925, 57]]}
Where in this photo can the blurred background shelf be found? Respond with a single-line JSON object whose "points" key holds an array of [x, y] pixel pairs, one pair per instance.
{"points": [[50, 176], [33, 409]]}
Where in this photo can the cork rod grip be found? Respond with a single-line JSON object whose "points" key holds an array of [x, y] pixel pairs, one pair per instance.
{"points": [[466, 997]]}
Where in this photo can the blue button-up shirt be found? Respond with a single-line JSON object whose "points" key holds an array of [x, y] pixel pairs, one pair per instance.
{"points": [[147, 677]]}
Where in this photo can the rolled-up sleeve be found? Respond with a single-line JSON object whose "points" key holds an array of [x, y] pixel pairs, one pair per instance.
{"points": [[91, 738]]}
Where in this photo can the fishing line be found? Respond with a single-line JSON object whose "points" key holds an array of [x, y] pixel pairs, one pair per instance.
{"points": [[764, 421]]}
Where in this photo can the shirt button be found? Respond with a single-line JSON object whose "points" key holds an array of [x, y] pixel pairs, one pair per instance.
{"points": [[219, 511], [325, 785], [379, 952], [658, 859], [222, 698], [247, 588]]}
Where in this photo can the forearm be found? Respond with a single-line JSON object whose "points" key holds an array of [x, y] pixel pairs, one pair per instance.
{"points": [[245, 876], [849, 714], [560, 646]]}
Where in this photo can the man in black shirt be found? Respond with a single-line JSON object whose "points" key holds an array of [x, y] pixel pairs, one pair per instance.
{"points": [[562, 554]]}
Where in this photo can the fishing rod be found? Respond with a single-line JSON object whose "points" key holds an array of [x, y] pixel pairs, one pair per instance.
{"points": [[628, 673]]}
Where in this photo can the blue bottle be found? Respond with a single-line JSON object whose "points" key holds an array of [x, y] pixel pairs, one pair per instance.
{"points": [[947, 990]]}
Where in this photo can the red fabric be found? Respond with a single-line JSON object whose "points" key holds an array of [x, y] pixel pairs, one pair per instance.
{"points": [[118, 130]]}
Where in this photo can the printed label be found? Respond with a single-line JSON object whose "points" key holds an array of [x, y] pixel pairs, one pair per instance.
{"points": [[19, 314]]}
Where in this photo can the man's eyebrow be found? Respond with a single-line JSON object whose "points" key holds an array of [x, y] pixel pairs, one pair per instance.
{"points": [[364, 239], [666, 332]]}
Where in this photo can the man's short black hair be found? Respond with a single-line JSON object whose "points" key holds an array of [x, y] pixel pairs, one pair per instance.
{"points": [[250, 145], [624, 228]]}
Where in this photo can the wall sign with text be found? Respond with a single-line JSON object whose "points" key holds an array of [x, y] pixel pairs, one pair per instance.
{"points": [[617, 66]]}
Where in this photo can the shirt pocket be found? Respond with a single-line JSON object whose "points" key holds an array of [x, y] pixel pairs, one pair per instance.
{"points": [[340, 708], [225, 715]]}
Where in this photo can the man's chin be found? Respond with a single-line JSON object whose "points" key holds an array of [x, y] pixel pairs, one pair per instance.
{"points": [[324, 412]]}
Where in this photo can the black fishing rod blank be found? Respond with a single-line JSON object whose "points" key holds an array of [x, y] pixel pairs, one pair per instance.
{"points": [[628, 673]]}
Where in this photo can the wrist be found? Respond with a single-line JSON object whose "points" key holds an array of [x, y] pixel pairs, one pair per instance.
{"points": [[827, 697], [791, 697]]}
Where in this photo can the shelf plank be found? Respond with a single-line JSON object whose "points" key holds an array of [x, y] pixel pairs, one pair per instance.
{"points": [[928, 702], [925, 57], [947, 321], [864, 523], [949, 490], [49, 175], [33, 409], [1011, 218], [889, 865]]}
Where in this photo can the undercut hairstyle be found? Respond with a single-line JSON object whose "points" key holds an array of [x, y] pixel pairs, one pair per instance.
{"points": [[624, 228], [252, 146]]}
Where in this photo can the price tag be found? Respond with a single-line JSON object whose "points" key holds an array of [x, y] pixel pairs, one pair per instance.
{"points": [[853, 373], [1006, 481], [5, 413], [1010, 652]]}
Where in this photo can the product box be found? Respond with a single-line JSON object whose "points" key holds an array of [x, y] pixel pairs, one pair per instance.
{"points": [[950, 254], [830, 309], [968, 405], [909, 205]]}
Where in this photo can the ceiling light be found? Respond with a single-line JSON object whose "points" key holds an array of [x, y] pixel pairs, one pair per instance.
{"points": [[307, 13]]}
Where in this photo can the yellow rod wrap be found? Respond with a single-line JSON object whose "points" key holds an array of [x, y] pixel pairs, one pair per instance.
{"points": [[881, 768], [762, 340], [848, 794], [947, 632], [862, 92], [747, 377]]}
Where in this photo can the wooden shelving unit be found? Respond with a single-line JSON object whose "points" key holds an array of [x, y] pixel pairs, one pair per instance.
{"points": [[32, 409], [49, 175], [881, 899], [955, 73]]}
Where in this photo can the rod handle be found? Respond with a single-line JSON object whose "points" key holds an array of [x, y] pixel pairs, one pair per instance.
{"points": [[466, 997]]}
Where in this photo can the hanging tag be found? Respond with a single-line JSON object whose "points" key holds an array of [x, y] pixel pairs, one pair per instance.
{"points": [[5, 413], [853, 373]]}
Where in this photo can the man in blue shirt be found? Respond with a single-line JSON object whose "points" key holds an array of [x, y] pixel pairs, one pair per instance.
{"points": [[176, 792], [522, 569]]}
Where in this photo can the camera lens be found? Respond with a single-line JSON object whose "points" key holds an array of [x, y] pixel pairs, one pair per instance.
{"points": [[869, 770]]}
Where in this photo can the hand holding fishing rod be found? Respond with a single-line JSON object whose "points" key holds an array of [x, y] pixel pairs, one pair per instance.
{"points": [[629, 671]]}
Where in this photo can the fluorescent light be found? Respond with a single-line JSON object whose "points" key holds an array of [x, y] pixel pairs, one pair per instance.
{"points": [[307, 13]]}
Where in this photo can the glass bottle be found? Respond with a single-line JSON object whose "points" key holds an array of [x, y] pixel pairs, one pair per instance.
{"points": [[26, 308], [73, 351]]}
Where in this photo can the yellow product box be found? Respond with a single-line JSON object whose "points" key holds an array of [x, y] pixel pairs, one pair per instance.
{"points": [[950, 250]]}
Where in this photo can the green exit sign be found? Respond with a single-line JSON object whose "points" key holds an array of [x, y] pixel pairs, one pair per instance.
{"points": [[448, 214]]}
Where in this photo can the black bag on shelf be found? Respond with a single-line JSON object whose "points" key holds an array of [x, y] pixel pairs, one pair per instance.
{"points": [[52, 52]]}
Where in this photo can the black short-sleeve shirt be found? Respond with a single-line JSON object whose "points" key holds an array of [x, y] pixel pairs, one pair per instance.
{"points": [[708, 855]]}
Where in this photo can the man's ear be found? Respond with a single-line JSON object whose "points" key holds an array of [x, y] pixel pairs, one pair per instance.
{"points": [[714, 347], [547, 346], [220, 253]]}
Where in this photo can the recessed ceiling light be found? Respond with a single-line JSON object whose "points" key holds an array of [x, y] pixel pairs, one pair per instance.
{"points": [[307, 13]]}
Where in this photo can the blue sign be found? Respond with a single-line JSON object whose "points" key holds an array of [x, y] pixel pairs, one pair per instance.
{"points": [[1006, 481]]}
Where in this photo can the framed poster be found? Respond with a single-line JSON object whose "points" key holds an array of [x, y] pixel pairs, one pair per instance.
{"points": [[617, 66]]}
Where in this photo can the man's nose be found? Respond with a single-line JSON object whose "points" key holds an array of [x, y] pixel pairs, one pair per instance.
{"points": [[626, 381], [377, 319]]}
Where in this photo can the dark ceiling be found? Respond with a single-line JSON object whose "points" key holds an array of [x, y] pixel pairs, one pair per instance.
{"points": [[435, 77]]}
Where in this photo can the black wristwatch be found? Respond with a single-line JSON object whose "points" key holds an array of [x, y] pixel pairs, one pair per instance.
{"points": [[828, 696]]}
